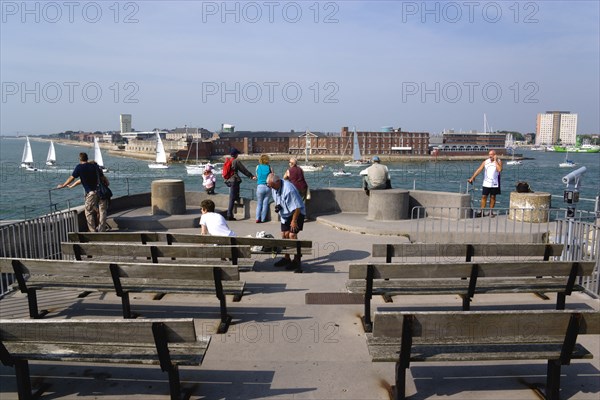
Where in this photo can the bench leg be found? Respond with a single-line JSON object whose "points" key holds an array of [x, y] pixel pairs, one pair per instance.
{"points": [[23, 379], [33, 305], [399, 391], [561, 299], [174, 383], [466, 302], [126, 305], [366, 319], [553, 380]]}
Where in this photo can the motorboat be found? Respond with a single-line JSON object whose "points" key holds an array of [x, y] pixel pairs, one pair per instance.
{"points": [[161, 155], [27, 158], [341, 172]]}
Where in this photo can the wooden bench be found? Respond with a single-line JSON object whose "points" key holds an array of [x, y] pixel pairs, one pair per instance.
{"points": [[124, 278], [436, 279], [295, 247], [405, 337], [466, 252], [166, 342], [196, 254]]}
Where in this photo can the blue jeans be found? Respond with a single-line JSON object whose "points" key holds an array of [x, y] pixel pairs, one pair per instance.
{"points": [[263, 194]]}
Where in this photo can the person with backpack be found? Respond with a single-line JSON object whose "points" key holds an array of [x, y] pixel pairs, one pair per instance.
{"points": [[231, 168]]}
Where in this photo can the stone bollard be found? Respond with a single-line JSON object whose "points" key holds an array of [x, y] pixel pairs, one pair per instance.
{"points": [[388, 205], [168, 197], [529, 207]]}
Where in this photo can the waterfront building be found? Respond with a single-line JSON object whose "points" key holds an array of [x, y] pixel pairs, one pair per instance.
{"points": [[125, 123], [472, 142], [556, 126]]}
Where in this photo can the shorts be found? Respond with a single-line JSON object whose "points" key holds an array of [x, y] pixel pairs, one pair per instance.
{"points": [[490, 191], [288, 228]]}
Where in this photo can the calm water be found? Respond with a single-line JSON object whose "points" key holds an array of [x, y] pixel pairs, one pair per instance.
{"points": [[25, 194]]}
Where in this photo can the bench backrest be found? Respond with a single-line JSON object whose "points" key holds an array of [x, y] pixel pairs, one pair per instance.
{"points": [[465, 252], [128, 250], [126, 270], [459, 270], [95, 331], [189, 238], [477, 327]]}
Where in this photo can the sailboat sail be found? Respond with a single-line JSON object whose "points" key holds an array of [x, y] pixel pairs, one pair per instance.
{"points": [[27, 158], [357, 160], [98, 153], [161, 155], [27, 154], [355, 150], [51, 157]]}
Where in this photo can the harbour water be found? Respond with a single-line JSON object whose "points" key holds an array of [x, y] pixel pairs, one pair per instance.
{"points": [[26, 194]]}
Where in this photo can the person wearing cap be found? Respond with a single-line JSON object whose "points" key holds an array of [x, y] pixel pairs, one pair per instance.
{"points": [[376, 177], [235, 181]]}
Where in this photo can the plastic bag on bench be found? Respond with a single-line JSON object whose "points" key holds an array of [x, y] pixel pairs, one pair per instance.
{"points": [[264, 249]]}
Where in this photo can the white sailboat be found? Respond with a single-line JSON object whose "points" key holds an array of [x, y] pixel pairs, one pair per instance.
{"points": [[27, 158], [309, 167], [51, 157], [98, 155], [567, 163], [512, 160], [194, 169], [161, 155], [357, 160]]}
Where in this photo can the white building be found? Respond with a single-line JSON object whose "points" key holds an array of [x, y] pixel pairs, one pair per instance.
{"points": [[555, 125], [125, 123]]}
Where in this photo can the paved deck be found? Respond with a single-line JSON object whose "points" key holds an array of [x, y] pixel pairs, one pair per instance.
{"points": [[279, 347]]}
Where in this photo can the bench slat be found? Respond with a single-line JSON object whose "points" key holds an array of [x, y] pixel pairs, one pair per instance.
{"points": [[457, 270], [459, 251], [484, 326], [128, 250], [390, 351]]}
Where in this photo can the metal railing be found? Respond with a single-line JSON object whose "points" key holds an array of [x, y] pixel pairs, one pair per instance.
{"points": [[580, 235], [36, 238]]}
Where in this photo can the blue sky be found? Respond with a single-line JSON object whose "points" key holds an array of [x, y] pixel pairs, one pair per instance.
{"points": [[422, 66]]}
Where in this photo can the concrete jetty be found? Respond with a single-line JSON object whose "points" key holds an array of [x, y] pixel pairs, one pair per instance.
{"points": [[281, 347]]}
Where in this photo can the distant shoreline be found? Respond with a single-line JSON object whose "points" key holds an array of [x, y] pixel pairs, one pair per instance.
{"points": [[315, 158]]}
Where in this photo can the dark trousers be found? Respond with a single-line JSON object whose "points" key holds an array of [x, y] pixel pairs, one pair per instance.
{"points": [[234, 194]]}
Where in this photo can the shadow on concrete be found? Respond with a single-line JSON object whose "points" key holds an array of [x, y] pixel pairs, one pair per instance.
{"points": [[452, 380], [64, 379]]}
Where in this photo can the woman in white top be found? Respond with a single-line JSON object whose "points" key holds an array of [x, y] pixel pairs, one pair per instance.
{"points": [[212, 223], [491, 181]]}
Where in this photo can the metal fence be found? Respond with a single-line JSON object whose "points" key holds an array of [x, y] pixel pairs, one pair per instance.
{"points": [[36, 238], [580, 234]]}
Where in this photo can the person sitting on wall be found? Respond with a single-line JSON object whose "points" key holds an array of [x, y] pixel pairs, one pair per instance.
{"points": [[376, 177]]}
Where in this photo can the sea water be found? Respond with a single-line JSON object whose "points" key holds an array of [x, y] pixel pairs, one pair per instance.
{"points": [[26, 194]]}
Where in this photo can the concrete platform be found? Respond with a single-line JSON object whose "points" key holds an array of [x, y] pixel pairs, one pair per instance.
{"points": [[279, 347]]}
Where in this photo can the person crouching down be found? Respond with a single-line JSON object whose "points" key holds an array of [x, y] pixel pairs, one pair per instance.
{"points": [[209, 179], [289, 205]]}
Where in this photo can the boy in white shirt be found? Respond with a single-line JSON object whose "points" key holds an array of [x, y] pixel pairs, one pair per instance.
{"points": [[212, 223]]}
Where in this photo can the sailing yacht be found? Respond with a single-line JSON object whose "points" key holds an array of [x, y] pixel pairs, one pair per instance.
{"points": [[309, 167], [567, 163], [161, 155], [357, 160], [194, 169], [51, 157], [512, 160], [27, 158], [98, 155]]}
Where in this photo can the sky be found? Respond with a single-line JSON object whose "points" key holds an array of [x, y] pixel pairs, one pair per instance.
{"points": [[316, 65]]}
